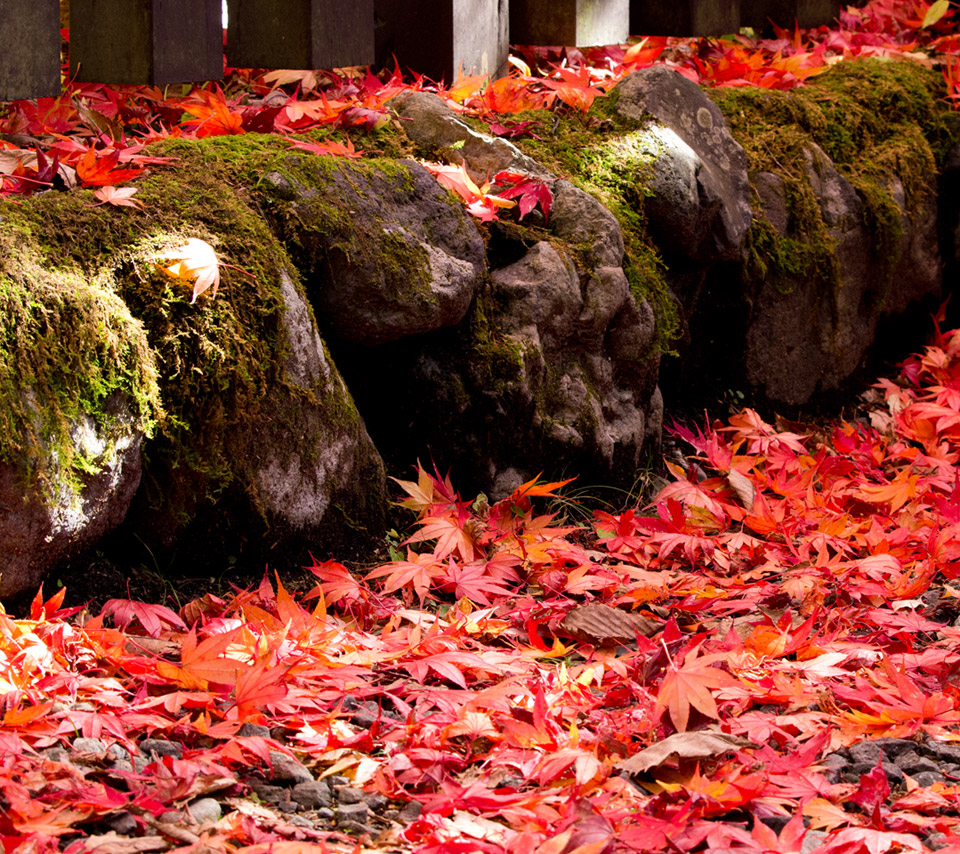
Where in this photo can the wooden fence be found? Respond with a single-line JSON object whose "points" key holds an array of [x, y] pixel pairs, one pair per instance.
{"points": [[174, 41]]}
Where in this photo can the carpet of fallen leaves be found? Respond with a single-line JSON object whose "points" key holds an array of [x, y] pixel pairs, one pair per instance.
{"points": [[707, 674], [96, 137]]}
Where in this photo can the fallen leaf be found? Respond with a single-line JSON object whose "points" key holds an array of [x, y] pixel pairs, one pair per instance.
{"points": [[195, 262], [599, 623], [685, 745], [114, 196]]}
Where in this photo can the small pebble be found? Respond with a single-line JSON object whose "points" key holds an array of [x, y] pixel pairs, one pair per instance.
{"points": [[352, 812], [325, 812], [411, 811], [378, 803], [913, 763], [286, 769], [349, 795], [161, 747], [248, 730], [311, 795], [205, 810], [122, 822], [89, 745], [864, 751], [943, 752], [928, 778]]}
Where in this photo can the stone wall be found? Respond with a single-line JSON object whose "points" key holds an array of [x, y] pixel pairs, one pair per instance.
{"points": [[696, 242]]}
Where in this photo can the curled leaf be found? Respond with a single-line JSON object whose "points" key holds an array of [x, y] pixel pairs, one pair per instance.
{"points": [[195, 262]]}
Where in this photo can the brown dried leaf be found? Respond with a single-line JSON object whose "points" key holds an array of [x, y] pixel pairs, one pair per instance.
{"points": [[599, 623], [743, 487], [686, 745], [111, 843]]}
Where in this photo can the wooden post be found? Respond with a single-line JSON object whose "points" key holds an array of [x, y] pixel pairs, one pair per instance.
{"points": [[785, 13], [569, 22], [30, 58], [471, 36], [684, 17], [299, 33], [146, 41]]}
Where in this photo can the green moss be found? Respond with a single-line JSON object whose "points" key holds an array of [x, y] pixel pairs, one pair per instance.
{"points": [[873, 119], [498, 361], [324, 223], [214, 360], [68, 348], [605, 156]]}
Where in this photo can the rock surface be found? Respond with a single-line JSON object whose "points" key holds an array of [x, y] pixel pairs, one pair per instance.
{"points": [[385, 254], [379, 321], [699, 209], [799, 340]]}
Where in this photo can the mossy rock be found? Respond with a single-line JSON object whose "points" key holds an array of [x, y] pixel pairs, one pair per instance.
{"points": [[238, 392], [384, 251]]}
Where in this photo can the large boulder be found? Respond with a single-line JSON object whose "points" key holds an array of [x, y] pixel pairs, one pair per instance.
{"points": [[213, 436], [801, 340], [383, 251], [698, 209], [554, 365], [79, 395]]}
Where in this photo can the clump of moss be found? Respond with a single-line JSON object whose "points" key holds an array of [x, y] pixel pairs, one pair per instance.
{"points": [[68, 348], [874, 119]]}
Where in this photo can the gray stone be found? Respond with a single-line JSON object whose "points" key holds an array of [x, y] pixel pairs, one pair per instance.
{"points": [[204, 810], [349, 795], [95, 746], [377, 803], [42, 526], [151, 747], [312, 795], [700, 208], [384, 255], [267, 792], [893, 748], [301, 466], [352, 812], [912, 763], [122, 822], [287, 770], [928, 778], [411, 811], [865, 751], [580, 219], [258, 730], [791, 361], [942, 751], [430, 123]]}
